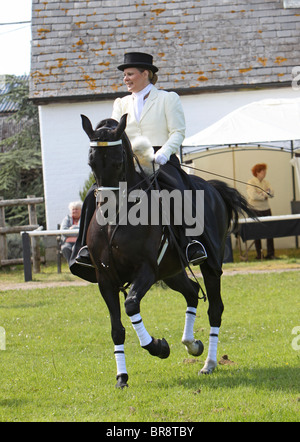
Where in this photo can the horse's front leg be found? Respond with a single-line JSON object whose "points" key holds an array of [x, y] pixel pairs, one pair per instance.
{"points": [[141, 284], [111, 297]]}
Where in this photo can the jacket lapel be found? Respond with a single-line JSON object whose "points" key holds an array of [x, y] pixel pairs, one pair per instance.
{"points": [[149, 102], [130, 106]]}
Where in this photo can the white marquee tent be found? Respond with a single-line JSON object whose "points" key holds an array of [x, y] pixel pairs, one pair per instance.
{"points": [[257, 122], [265, 121]]}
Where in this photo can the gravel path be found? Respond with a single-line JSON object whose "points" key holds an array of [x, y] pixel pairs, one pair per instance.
{"points": [[31, 285]]}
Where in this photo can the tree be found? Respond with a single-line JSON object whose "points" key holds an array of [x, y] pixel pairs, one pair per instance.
{"points": [[20, 163], [87, 185]]}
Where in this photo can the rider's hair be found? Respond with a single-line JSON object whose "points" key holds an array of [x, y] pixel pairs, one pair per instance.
{"points": [[152, 77]]}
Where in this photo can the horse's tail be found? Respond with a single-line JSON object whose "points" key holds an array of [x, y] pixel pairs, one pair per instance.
{"points": [[235, 202]]}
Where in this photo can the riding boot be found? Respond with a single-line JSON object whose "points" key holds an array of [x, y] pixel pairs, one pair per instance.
{"points": [[83, 257]]}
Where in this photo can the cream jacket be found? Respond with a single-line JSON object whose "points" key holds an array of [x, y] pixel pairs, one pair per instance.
{"points": [[162, 120], [256, 197]]}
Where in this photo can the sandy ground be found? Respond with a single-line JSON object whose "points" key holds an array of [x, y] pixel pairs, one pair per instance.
{"points": [[31, 285]]}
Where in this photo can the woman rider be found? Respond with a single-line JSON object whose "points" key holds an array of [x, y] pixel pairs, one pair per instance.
{"points": [[157, 115]]}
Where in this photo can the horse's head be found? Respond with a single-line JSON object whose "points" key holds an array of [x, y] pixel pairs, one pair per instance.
{"points": [[106, 155]]}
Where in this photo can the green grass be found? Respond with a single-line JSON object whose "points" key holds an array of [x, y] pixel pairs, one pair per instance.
{"points": [[59, 363]]}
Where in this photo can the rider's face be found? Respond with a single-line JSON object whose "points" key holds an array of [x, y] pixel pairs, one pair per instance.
{"points": [[135, 80]]}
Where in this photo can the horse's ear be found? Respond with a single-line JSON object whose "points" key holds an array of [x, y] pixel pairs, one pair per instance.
{"points": [[87, 126], [121, 126]]}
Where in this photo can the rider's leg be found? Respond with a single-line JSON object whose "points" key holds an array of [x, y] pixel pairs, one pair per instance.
{"points": [[172, 177], [88, 209]]}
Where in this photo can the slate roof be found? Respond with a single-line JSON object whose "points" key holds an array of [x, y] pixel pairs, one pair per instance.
{"points": [[198, 45]]}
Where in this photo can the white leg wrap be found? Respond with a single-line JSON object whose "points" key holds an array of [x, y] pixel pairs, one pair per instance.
{"points": [[211, 360], [188, 333], [120, 359], [213, 343], [139, 327]]}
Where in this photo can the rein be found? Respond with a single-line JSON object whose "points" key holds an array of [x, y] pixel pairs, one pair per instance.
{"points": [[227, 178], [145, 178], [123, 288], [181, 255], [152, 184]]}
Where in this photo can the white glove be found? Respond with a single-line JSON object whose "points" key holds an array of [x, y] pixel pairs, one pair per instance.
{"points": [[160, 158]]}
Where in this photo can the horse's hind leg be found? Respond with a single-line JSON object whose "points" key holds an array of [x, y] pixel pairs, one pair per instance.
{"points": [[215, 310], [189, 289]]}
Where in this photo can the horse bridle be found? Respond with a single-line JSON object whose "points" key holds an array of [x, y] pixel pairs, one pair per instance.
{"points": [[95, 144]]}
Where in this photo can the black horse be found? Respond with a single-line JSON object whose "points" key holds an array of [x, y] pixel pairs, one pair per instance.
{"points": [[139, 255]]}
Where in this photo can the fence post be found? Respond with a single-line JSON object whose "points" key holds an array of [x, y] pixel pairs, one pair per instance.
{"points": [[26, 256], [58, 250], [3, 243], [34, 241]]}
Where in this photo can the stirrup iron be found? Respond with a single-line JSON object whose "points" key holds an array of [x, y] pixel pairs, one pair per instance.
{"points": [[197, 260]]}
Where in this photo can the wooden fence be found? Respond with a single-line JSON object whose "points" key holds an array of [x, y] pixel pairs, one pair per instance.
{"points": [[36, 234], [31, 201]]}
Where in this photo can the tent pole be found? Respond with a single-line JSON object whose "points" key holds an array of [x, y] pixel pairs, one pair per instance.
{"points": [[294, 187], [293, 172], [233, 165]]}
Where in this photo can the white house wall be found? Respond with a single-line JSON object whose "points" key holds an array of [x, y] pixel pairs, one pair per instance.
{"points": [[65, 153]]}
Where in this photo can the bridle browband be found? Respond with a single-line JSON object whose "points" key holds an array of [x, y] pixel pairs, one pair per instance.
{"points": [[105, 143]]}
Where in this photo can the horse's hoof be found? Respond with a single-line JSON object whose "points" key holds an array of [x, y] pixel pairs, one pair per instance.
{"points": [[165, 349], [159, 348], [122, 380], [194, 348], [209, 367]]}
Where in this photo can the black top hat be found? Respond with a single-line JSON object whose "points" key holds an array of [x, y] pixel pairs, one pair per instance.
{"points": [[138, 59]]}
